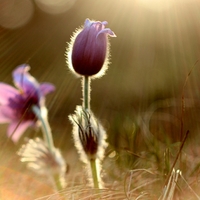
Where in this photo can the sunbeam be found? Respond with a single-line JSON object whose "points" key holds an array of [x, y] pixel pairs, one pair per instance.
{"points": [[147, 98]]}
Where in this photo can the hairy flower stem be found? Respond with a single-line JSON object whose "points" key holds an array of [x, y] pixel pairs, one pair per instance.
{"points": [[42, 116], [86, 92], [47, 134], [94, 173], [57, 181], [86, 105]]}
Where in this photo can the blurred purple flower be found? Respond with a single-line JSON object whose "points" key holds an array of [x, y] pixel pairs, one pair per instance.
{"points": [[15, 104], [88, 54]]}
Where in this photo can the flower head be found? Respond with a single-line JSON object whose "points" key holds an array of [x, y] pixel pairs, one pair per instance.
{"points": [[42, 160], [16, 103], [89, 135], [88, 52]]}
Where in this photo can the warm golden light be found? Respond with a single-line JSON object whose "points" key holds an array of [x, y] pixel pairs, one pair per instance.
{"points": [[14, 14], [157, 5], [54, 7]]}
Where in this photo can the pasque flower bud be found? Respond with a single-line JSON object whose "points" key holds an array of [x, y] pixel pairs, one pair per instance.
{"points": [[89, 135], [89, 49]]}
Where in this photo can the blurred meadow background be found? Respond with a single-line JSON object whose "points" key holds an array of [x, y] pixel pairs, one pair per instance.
{"points": [[138, 101]]}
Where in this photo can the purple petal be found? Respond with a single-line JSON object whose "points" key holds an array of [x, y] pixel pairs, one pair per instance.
{"points": [[17, 128], [107, 31], [87, 23], [6, 114], [23, 80], [7, 92], [104, 23], [46, 88]]}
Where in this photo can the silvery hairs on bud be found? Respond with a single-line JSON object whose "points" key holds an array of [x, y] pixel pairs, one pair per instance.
{"points": [[43, 161], [89, 135]]}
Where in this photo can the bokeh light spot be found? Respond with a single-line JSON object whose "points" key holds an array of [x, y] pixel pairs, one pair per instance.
{"points": [[15, 13], [55, 6]]}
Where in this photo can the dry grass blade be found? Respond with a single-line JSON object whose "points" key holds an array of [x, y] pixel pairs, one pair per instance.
{"points": [[171, 185]]}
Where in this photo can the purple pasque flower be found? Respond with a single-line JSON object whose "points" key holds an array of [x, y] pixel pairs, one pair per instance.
{"points": [[88, 52], [16, 103]]}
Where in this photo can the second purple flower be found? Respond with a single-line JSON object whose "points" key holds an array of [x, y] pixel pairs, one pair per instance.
{"points": [[16, 103]]}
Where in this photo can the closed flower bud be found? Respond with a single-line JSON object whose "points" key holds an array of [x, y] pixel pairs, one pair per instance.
{"points": [[89, 49], [88, 134]]}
